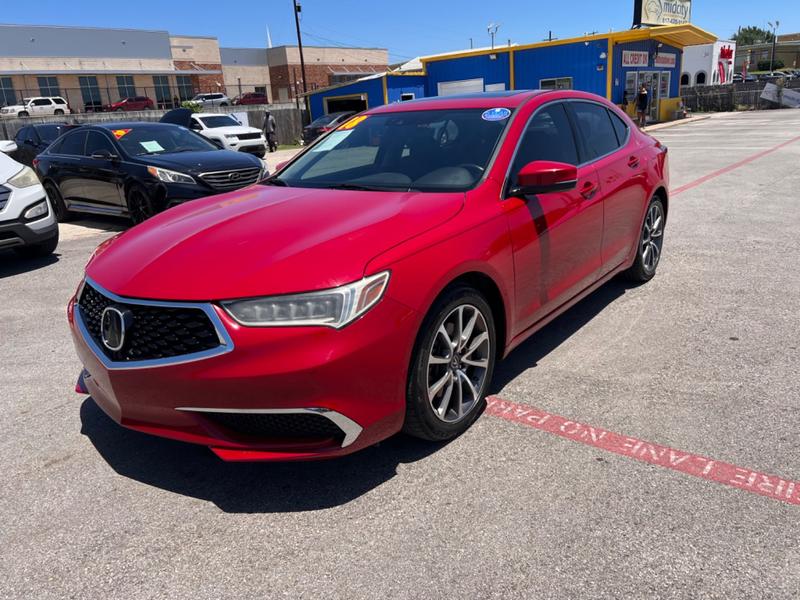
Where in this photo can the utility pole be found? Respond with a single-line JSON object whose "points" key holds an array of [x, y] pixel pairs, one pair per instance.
{"points": [[297, 9], [774, 41], [470, 43]]}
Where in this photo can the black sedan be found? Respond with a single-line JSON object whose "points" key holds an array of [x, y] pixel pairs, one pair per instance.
{"points": [[32, 140], [324, 124], [138, 169]]}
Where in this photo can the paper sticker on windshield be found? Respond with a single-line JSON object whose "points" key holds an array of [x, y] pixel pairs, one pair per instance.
{"points": [[330, 142], [496, 114], [118, 133], [352, 123], [152, 146]]}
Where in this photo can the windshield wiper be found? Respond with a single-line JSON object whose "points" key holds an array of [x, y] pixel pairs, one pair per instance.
{"points": [[274, 181], [367, 188]]}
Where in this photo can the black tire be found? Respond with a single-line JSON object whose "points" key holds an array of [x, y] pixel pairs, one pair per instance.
{"points": [[117, 110], [140, 205], [644, 266], [422, 420], [23, 113], [58, 111], [63, 214], [40, 250], [224, 104]]}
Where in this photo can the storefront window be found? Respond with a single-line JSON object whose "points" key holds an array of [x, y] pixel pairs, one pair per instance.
{"points": [[664, 84], [556, 83], [7, 94], [185, 87], [125, 86], [89, 90], [48, 86], [163, 96]]}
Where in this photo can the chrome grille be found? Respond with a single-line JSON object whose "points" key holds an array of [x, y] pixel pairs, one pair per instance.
{"points": [[5, 194], [248, 136], [231, 180]]}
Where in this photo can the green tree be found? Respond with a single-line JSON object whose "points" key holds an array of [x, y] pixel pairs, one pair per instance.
{"points": [[752, 34]]}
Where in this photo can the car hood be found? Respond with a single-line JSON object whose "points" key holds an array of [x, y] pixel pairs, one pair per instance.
{"points": [[264, 240], [202, 162], [8, 167], [15, 107]]}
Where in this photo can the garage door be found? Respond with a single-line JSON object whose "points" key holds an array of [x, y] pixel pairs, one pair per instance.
{"points": [[464, 86]]}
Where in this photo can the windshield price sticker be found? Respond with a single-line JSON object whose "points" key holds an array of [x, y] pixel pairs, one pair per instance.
{"points": [[496, 114], [352, 123], [151, 146], [120, 133]]}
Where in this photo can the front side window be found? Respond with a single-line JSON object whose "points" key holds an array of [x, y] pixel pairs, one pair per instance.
{"points": [[433, 150], [596, 129], [42, 102], [162, 139], [48, 86], [548, 136], [97, 142]]}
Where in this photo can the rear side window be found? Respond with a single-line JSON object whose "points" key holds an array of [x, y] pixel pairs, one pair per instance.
{"points": [[72, 144], [59, 101], [548, 136], [620, 128], [596, 129], [96, 142]]}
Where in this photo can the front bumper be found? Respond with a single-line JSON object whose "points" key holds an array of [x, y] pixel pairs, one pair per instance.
{"points": [[354, 377]]}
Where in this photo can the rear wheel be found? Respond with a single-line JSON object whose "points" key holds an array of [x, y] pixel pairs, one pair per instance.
{"points": [[140, 205], [57, 201], [58, 111], [452, 366], [651, 241], [45, 248]]}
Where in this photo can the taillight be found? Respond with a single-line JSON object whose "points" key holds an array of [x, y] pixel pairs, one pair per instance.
{"points": [[35, 162]]}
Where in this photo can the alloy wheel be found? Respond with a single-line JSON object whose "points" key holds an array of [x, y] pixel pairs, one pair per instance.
{"points": [[652, 237], [139, 206], [458, 362]]}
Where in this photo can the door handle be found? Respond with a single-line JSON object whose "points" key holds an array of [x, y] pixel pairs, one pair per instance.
{"points": [[633, 162], [589, 189]]}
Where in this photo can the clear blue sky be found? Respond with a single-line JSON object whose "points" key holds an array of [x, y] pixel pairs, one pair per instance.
{"points": [[407, 27]]}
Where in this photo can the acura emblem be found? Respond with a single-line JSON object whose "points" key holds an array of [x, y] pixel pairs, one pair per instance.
{"points": [[233, 176], [113, 324]]}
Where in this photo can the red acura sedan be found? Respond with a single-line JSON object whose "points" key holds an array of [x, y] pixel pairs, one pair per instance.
{"points": [[371, 284]]}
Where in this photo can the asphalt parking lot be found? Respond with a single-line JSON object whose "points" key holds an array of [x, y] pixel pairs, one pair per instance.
{"points": [[699, 367]]}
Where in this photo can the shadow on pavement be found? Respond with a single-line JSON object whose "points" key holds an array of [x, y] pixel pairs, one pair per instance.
{"points": [[192, 470], [550, 337], [13, 264], [100, 223]]}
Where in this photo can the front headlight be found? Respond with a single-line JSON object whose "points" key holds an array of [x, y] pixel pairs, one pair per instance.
{"points": [[25, 178], [169, 176], [332, 308], [231, 136]]}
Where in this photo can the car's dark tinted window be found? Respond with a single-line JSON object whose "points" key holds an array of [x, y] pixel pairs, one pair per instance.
{"points": [[548, 136], [59, 101], [620, 127], [73, 143], [323, 120], [97, 142], [49, 133], [42, 102], [22, 135], [597, 131]]}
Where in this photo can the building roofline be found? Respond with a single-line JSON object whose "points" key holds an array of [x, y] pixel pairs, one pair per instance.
{"points": [[40, 26]]}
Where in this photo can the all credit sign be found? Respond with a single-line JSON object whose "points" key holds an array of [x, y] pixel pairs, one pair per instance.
{"points": [[632, 58], [666, 60]]}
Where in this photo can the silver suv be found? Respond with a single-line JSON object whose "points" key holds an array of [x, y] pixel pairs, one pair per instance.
{"points": [[215, 99]]}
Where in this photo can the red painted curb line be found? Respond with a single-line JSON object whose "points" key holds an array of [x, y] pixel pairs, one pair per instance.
{"points": [[748, 480]]}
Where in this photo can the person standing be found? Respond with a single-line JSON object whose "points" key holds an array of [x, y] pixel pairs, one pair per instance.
{"points": [[269, 131], [642, 103]]}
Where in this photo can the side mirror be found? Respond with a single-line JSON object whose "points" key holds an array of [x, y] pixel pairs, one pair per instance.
{"points": [[280, 165], [104, 155], [8, 146], [545, 176]]}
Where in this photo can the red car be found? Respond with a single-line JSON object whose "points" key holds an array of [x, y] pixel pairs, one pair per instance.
{"points": [[371, 284], [251, 98], [132, 103]]}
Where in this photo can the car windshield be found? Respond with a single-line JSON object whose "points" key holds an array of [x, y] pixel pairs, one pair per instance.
{"points": [[219, 121], [160, 139], [432, 150], [48, 133]]}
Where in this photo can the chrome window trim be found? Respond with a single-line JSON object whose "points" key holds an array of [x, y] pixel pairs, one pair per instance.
{"points": [[350, 428], [226, 342]]}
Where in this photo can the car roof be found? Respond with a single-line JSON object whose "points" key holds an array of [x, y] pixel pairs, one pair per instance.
{"points": [[128, 125], [507, 99], [202, 114]]}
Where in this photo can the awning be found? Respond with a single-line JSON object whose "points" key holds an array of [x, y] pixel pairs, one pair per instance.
{"points": [[679, 36]]}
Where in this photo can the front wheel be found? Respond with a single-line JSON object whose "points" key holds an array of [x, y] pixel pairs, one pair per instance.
{"points": [[451, 367], [651, 241], [140, 205], [57, 201], [23, 113]]}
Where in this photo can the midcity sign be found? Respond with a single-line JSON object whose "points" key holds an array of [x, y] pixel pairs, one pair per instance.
{"points": [[662, 12]]}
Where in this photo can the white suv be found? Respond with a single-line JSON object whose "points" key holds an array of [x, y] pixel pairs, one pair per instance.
{"points": [[37, 107], [229, 132], [205, 100], [27, 222]]}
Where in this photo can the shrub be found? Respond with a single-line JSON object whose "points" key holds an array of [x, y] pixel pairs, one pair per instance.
{"points": [[763, 65]]}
